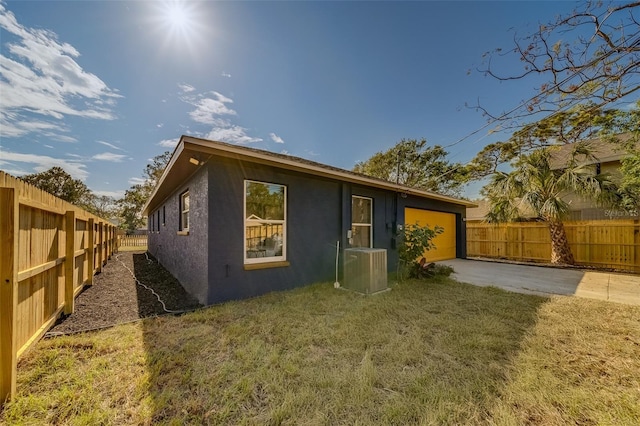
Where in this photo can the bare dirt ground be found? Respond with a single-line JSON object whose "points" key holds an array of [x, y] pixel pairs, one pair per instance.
{"points": [[115, 297]]}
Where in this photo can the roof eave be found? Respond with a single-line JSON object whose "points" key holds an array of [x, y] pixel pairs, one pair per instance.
{"points": [[189, 143]]}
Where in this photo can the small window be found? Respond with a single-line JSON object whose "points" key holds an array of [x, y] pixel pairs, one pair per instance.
{"points": [[164, 215], [265, 211], [184, 211], [158, 222], [361, 222]]}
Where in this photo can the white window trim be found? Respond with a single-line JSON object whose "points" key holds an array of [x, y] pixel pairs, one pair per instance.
{"points": [[183, 211], [254, 260], [370, 225]]}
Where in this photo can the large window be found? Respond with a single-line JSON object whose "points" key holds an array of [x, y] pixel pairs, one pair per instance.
{"points": [[184, 211], [361, 222], [265, 215]]}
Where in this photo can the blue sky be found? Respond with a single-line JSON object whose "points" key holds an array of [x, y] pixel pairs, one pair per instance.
{"points": [[100, 87]]}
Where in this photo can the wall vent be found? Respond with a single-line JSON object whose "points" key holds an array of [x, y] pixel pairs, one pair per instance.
{"points": [[365, 270]]}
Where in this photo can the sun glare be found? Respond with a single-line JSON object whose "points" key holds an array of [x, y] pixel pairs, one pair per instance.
{"points": [[176, 16], [179, 19], [180, 26]]}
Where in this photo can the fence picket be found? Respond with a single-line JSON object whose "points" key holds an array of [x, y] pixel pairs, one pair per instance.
{"points": [[45, 259], [603, 243]]}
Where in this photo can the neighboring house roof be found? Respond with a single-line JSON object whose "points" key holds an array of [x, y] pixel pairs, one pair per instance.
{"points": [[603, 151], [192, 152], [479, 212]]}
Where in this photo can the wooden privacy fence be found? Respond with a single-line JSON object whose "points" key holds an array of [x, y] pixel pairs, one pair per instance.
{"points": [[49, 250], [602, 243], [132, 240]]}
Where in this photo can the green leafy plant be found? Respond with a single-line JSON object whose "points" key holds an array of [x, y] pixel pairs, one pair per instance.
{"points": [[415, 240]]}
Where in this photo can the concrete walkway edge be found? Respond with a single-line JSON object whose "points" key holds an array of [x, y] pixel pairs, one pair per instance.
{"points": [[547, 281]]}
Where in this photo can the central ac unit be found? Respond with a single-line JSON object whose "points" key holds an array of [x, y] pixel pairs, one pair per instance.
{"points": [[365, 270]]}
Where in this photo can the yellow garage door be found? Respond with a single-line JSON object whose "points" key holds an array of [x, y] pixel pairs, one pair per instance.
{"points": [[445, 242]]}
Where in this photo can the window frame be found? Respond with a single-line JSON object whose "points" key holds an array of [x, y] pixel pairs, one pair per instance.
{"points": [[245, 221], [370, 224], [184, 212]]}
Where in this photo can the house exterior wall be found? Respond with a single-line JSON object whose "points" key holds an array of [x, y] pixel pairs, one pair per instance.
{"points": [[313, 227], [185, 256], [209, 262], [586, 209]]}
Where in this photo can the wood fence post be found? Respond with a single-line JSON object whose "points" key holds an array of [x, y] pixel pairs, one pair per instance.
{"points": [[588, 238], [111, 241], [69, 261], [520, 238], [100, 245], [9, 227], [108, 241], [91, 253]]}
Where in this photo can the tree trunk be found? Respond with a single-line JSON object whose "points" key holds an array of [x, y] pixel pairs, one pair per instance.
{"points": [[560, 250]]}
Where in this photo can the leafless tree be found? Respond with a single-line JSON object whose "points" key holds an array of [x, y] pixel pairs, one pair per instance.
{"points": [[591, 55]]}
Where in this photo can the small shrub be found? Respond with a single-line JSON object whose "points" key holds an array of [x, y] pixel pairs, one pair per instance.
{"points": [[414, 241]]}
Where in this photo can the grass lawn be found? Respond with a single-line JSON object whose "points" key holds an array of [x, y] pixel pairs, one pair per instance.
{"points": [[431, 352]]}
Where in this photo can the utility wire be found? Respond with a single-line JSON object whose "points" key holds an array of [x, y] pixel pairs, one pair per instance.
{"points": [[545, 92], [523, 103]]}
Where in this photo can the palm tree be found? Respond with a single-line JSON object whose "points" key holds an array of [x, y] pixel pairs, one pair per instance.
{"points": [[534, 186]]}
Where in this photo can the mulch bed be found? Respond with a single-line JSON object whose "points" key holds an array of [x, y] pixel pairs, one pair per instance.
{"points": [[116, 298]]}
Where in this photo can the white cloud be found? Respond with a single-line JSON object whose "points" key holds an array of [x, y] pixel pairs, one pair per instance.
{"points": [[109, 156], [186, 88], [77, 169], [136, 181], [208, 110], [284, 152], [13, 124], [212, 109], [40, 76], [113, 194], [110, 145], [225, 74], [159, 125], [233, 134], [275, 138], [61, 138], [169, 143]]}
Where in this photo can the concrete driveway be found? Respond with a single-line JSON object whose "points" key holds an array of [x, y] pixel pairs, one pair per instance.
{"points": [[545, 281]]}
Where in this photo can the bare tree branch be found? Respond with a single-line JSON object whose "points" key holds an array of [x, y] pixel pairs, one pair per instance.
{"points": [[601, 68]]}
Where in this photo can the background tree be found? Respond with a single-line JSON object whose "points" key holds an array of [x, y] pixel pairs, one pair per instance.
{"points": [[580, 123], [103, 206], [630, 183], [57, 182], [627, 123], [589, 55], [534, 186], [130, 206], [413, 163]]}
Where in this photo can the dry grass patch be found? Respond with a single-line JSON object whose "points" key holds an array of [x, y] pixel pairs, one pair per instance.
{"points": [[436, 352], [580, 364]]}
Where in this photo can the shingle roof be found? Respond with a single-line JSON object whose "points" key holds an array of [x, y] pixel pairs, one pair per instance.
{"points": [[603, 151], [178, 169]]}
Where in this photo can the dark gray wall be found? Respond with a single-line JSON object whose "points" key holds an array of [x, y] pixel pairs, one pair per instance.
{"points": [[210, 261], [185, 256], [313, 227]]}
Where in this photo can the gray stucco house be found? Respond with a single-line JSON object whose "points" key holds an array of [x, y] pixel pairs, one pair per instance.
{"points": [[231, 222]]}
